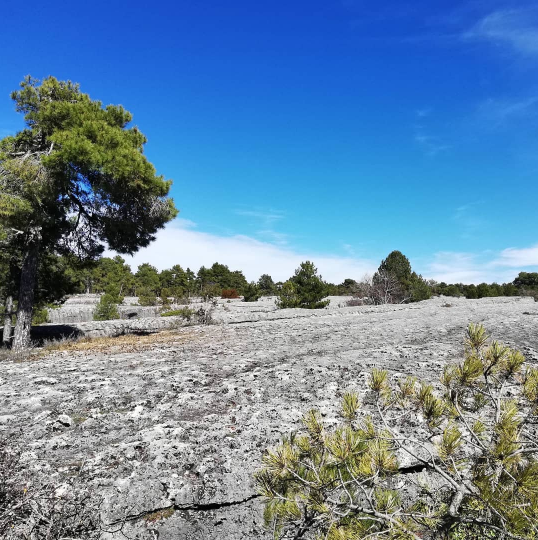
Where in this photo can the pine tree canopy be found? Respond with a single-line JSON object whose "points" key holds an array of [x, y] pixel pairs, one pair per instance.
{"points": [[77, 176]]}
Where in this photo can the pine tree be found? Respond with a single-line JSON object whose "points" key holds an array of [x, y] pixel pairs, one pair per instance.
{"points": [[74, 178], [305, 289], [473, 440]]}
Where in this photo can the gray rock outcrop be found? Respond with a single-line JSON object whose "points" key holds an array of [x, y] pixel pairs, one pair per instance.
{"points": [[171, 432]]}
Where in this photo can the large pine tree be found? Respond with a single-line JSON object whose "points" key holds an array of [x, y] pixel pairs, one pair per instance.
{"points": [[74, 179]]}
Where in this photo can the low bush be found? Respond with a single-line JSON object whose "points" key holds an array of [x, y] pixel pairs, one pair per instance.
{"points": [[304, 290], [107, 308], [209, 292], [186, 313], [147, 298], [252, 292], [353, 302], [40, 316], [36, 507], [204, 315], [229, 293], [470, 456]]}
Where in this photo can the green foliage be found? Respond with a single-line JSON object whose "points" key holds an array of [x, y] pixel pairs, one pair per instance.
{"points": [[221, 277], [266, 285], [78, 171], [107, 308], [420, 290], [146, 297], [476, 291], [108, 272], [348, 287], [405, 285], [209, 292], [398, 265], [40, 316], [474, 438], [305, 289], [186, 313], [252, 292], [76, 178], [147, 280], [528, 280], [176, 282], [288, 296]]}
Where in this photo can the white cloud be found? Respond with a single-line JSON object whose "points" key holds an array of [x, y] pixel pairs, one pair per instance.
{"points": [[489, 267], [266, 217], [453, 267], [515, 28], [517, 258], [180, 244]]}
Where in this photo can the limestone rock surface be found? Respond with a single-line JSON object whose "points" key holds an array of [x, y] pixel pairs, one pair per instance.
{"points": [[170, 433]]}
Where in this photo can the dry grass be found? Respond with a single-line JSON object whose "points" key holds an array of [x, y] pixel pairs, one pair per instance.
{"points": [[125, 343], [166, 513]]}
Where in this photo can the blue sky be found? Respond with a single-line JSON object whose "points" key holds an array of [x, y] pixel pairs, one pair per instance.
{"points": [[330, 130]]}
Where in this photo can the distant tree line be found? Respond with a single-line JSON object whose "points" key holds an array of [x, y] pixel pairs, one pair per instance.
{"points": [[393, 282]]}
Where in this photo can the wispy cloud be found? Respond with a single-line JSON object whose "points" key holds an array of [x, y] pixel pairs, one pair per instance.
{"points": [[453, 267], [265, 221], [516, 28], [488, 266], [518, 258], [179, 243], [422, 113], [430, 144], [468, 220], [275, 237], [498, 112], [265, 216]]}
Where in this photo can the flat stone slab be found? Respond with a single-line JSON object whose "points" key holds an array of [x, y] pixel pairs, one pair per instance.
{"points": [[171, 431]]}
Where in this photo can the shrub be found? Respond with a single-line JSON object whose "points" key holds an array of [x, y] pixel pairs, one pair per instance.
{"points": [[40, 316], [204, 315], [147, 297], [209, 292], [530, 292], [305, 289], [107, 308], [186, 313], [252, 292], [420, 290], [37, 507], [472, 449], [287, 296], [353, 302], [266, 285], [229, 293]]}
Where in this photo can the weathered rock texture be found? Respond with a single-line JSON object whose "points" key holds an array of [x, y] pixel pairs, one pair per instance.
{"points": [[80, 308], [176, 429]]}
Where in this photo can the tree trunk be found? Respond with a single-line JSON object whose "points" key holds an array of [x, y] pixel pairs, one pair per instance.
{"points": [[8, 318], [21, 338]]}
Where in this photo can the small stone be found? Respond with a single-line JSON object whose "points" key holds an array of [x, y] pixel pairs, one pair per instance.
{"points": [[65, 420]]}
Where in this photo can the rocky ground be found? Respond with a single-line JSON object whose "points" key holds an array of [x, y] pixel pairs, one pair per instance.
{"points": [[169, 428]]}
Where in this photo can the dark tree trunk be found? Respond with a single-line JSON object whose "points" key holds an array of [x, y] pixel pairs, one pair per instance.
{"points": [[21, 338], [8, 318]]}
